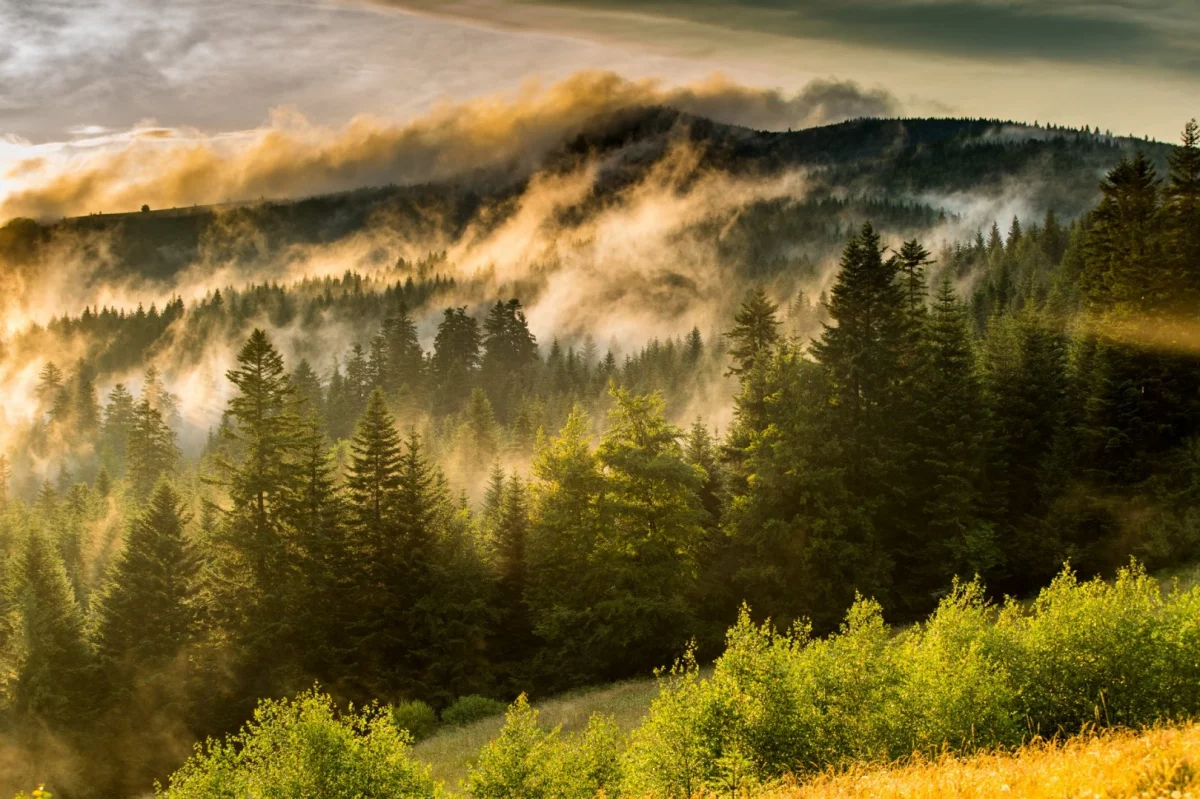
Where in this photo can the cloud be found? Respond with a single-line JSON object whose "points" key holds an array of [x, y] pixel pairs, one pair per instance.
{"points": [[1147, 32], [291, 156]]}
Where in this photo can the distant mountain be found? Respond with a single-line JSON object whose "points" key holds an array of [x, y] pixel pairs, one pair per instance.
{"points": [[924, 167]]}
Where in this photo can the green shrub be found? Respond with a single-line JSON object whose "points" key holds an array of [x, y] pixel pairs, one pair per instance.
{"points": [[973, 676], [467, 709], [418, 718], [304, 748], [527, 761]]}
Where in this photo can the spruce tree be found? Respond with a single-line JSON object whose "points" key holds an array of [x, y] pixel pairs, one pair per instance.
{"points": [[51, 670], [309, 392], [509, 355], [324, 566], [456, 355], [1182, 201], [405, 370], [912, 265], [150, 451], [118, 420], [863, 354], [513, 639], [567, 522], [373, 478], [493, 498], [148, 610], [254, 565], [950, 425], [755, 332]]}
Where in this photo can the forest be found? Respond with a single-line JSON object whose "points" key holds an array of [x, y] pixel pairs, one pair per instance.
{"points": [[458, 508]]}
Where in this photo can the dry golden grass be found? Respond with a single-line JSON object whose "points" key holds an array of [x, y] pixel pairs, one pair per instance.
{"points": [[1162, 763]]}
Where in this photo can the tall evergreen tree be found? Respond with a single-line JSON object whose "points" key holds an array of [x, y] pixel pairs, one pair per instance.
{"points": [[148, 610], [150, 451], [509, 354], [456, 355], [950, 424], [50, 667], [405, 370], [254, 567], [1182, 197], [309, 391], [755, 332], [118, 420], [513, 640]]}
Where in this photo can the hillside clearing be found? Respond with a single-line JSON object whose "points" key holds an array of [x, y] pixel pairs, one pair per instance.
{"points": [[453, 749]]}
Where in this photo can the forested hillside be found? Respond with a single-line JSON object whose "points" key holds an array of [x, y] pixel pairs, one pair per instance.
{"points": [[416, 444]]}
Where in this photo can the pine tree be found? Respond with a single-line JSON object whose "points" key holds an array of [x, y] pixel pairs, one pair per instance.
{"points": [[50, 666], [949, 457], [150, 451], [755, 332], [912, 264], [701, 451], [373, 478], [513, 639], [253, 552], [50, 384], [406, 361], [309, 391], [161, 400], [148, 609], [1054, 238], [339, 416], [1025, 381], [509, 354], [493, 497], [86, 411], [118, 421], [863, 352], [1121, 267], [324, 566], [456, 355], [358, 382], [566, 525], [1182, 199], [646, 552]]}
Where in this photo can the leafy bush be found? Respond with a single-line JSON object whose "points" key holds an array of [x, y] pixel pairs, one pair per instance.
{"points": [[467, 709], [973, 676], [304, 748], [416, 717], [530, 762]]}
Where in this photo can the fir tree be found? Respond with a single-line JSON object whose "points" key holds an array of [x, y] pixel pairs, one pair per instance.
{"points": [[118, 421], [150, 451], [51, 671], [148, 608], [755, 332], [456, 354]]}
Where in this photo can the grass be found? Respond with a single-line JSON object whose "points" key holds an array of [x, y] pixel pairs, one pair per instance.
{"points": [[1162, 763], [451, 750]]}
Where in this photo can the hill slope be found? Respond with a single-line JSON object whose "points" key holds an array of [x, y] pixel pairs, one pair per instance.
{"points": [[926, 161], [1159, 763]]}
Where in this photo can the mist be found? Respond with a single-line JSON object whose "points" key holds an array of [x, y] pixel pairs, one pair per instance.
{"points": [[290, 156]]}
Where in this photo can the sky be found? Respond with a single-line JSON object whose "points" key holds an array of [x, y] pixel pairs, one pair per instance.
{"points": [[79, 77]]}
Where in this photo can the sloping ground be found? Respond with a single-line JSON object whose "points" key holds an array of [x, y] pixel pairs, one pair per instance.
{"points": [[451, 750], [1160, 764]]}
